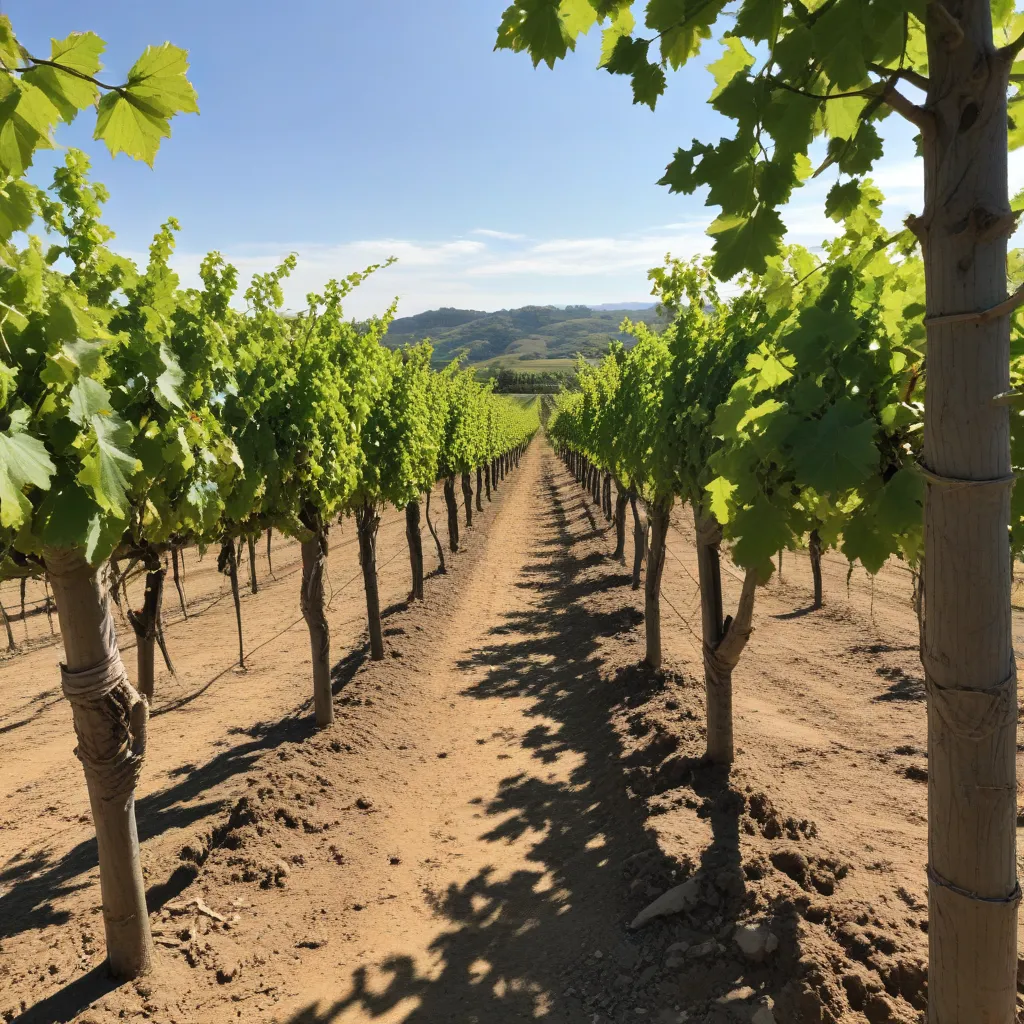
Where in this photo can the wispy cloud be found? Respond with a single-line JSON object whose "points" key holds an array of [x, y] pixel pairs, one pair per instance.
{"points": [[507, 236]]}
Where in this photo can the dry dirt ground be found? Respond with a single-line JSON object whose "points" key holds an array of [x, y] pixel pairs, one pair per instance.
{"points": [[497, 800]]}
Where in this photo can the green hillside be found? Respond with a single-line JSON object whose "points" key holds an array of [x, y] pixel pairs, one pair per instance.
{"points": [[509, 336]]}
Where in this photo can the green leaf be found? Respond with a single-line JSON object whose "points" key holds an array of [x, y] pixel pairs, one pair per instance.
{"points": [[69, 93], [535, 26], [857, 155], [863, 542], [900, 509], [842, 199], [108, 465], [17, 207], [622, 24], [760, 20], [169, 381], [842, 116], [648, 84], [628, 56], [134, 120], [89, 398], [744, 243], [761, 530], [24, 462], [682, 25], [720, 491], [69, 518], [578, 16], [27, 118], [734, 61], [839, 43], [836, 453]]}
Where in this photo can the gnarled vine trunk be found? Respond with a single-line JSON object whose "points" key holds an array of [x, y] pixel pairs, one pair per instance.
{"points": [[254, 586], [814, 549], [441, 568], [639, 541], [110, 720], [415, 540], [227, 563], [11, 645], [621, 501], [968, 644], [659, 516], [467, 498], [723, 639], [311, 602], [453, 513], [177, 561], [270, 567], [367, 521], [487, 479], [479, 489], [147, 626]]}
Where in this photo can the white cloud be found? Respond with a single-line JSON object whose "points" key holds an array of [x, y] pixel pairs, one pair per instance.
{"points": [[507, 236]]}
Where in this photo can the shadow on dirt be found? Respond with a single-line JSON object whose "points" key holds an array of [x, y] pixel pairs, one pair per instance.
{"points": [[37, 882], [550, 940], [72, 999]]}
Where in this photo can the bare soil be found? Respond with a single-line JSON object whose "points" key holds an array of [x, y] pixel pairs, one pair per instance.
{"points": [[497, 800]]}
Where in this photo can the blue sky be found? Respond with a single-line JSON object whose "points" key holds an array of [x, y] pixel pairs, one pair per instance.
{"points": [[350, 131]]}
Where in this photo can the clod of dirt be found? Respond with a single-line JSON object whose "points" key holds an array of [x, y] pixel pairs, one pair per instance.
{"points": [[364, 803]]}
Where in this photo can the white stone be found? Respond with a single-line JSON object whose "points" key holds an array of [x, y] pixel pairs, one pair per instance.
{"points": [[755, 941], [678, 898]]}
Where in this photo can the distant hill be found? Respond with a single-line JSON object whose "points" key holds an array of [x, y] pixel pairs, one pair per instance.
{"points": [[529, 333]]}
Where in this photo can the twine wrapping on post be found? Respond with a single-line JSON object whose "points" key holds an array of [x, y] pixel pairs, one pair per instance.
{"points": [[104, 690], [934, 878], [971, 714]]}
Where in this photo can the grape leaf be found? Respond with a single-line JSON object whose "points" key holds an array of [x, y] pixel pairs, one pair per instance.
{"points": [[80, 52], [842, 199], [622, 25], [17, 207], [578, 16], [170, 380], [135, 119], [27, 117], [89, 398], [24, 462], [762, 529], [734, 60], [535, 26], [743, 243], [108, 465], [837, 452]]}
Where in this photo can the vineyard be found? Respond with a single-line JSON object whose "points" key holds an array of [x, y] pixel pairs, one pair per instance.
{"points": [[687, 694]]}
